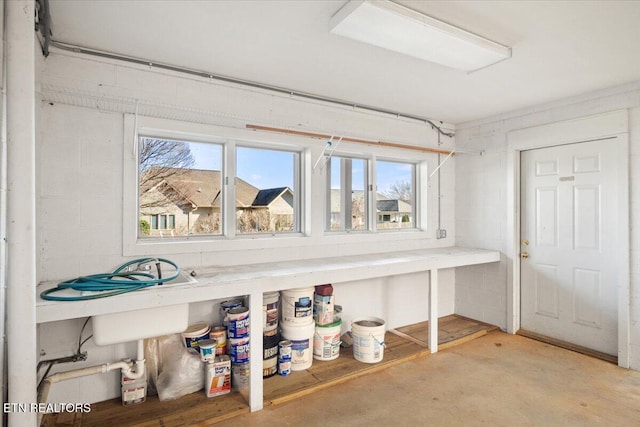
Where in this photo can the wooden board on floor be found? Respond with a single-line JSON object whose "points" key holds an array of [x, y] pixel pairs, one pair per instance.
{"points": [[569, 346], [450, 328], [192, 409], [324, 373], [197, 410]]}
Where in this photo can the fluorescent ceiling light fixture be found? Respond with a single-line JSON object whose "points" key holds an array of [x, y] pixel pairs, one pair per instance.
{"points": [[391, 26]]}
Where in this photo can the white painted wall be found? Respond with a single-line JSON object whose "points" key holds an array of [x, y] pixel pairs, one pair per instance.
{"points": [[481, 200], [80, 193]]}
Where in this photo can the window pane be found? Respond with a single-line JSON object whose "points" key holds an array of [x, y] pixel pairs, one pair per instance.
{"points": [[181, 179], [395, 197], [348, 198], [266, 191]]}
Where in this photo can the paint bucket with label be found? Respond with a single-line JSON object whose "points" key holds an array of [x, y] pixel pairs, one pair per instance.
{"points": [[207, 350], [270, 310], [284, 357], [239, 375], [368, 339], [225, 306], [134, 390], [238, 326], [270, 355], [219, 333], [194, 334], [297, 306], [218, 376], [301, 337], [326, 342], [239, 350]]}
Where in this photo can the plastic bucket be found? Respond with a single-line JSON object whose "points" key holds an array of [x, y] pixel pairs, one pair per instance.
{"points": [[270, 309], [239, 350], [238, 326], [194, 334], [297, 306], [326, 342], [301, 337], [368, 339], [207, 350]]}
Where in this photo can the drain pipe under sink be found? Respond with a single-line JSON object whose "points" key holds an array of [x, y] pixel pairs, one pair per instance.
{"points": [[127, 368]]}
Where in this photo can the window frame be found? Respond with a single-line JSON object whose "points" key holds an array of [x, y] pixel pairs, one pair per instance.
{"points": [[366, 192], [298, 211], [418, 202], [311, 236]]}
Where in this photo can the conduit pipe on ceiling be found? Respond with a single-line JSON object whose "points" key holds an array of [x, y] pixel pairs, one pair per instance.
{"points": [[211, 76], [21, 209]]}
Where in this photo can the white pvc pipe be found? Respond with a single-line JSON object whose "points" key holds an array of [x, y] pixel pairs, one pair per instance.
{"points": [[21, 213]]}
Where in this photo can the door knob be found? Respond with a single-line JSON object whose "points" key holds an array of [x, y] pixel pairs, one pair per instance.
{"points": [[524, 255]]}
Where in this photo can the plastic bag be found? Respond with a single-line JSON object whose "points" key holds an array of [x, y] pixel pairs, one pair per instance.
{"points": [[180, 371]]}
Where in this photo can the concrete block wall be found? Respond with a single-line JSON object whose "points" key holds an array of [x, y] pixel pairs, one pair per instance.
{"points": [[80, 193], [481, 200]]}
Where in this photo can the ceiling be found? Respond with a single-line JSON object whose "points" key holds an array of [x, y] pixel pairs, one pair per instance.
{"points": [[560, 49]]}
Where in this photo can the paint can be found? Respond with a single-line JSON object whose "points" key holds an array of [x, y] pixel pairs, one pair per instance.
{"points": [[297, 306], [326, 342], [270, 310], [301, 337], [284, 357], [218, 376], [323, 309], [194, 334], [133, 390], [207, 350], [240, 375], [239, 350], [219, 333], [238, 325], [225, 306], [368, 339], [270, 346]]}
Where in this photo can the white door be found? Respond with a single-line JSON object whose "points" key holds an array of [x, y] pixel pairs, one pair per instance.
{"points": [[569, 208]]}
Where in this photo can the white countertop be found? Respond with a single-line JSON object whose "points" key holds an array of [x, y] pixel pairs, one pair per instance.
{"points": [[225, 282]]}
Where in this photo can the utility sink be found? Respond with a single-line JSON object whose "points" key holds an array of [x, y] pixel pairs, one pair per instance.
{"points": [[135, 325]]}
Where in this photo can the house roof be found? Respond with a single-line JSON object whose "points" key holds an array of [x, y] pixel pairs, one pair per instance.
{"points": [[267, 196], [202, 187], [393, 205]]}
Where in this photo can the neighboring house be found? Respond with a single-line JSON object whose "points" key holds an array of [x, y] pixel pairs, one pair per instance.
{"points": [[393, 213], [188, 201], [271, 210], [390, 212]]}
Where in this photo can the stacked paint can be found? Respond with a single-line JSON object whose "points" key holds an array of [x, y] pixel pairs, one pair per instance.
{"points": [[270, 334], [297, 329], [326, 342], [237, 319]]}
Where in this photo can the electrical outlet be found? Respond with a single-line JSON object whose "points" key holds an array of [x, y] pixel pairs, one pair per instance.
{"points": [[441, 234]]}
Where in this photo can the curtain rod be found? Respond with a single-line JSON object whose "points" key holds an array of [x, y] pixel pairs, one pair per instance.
{"points": [[348, 139]]}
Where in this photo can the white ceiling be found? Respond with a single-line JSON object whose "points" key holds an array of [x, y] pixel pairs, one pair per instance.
{"points": [[560, 48]]}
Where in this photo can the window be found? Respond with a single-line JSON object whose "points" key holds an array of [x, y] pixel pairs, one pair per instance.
{"points": [[179, 188], [347, 198], [267, 191], [395, 196]]}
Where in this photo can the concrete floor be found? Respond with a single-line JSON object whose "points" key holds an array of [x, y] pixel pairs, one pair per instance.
{"points": [[495, 380]]}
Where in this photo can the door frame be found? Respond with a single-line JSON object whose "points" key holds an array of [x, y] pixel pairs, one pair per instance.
{"points": [[611, 125]]}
